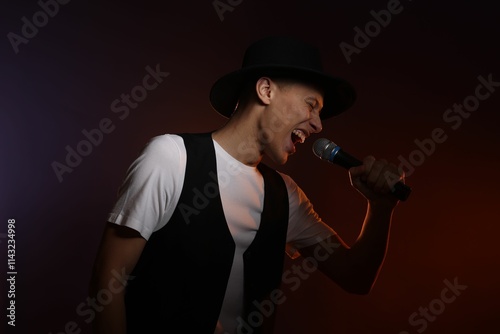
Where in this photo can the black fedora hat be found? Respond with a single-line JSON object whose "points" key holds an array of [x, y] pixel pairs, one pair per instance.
{"points": [[282, 56]]}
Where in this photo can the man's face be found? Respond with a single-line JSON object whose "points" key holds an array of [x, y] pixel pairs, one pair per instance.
{"points": [[291, 117]]}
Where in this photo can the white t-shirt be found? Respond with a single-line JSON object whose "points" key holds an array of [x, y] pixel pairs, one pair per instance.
{"points": [[153, 185]]}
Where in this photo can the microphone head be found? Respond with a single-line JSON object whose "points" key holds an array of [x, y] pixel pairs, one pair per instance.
{"points": [[323, 148]]}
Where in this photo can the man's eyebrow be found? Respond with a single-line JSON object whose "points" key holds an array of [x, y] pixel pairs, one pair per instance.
{"points": [[315, 100]]}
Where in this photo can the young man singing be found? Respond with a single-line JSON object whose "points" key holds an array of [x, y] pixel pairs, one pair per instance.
{"points": [[200, 227]]}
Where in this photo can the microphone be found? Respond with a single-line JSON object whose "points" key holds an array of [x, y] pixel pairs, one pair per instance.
{"points": [[329, 151]]}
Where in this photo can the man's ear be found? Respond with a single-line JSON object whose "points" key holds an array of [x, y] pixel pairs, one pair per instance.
{"points": [[263, 90]]}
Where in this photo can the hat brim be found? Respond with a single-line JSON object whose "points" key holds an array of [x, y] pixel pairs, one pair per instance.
{"points": [[339, 95]]}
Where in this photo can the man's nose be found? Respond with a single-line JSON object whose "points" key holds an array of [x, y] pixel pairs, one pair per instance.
{"points": [[316, 123]]}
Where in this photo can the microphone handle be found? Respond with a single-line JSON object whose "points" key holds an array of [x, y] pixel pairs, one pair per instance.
{"points": [[341, 158]]}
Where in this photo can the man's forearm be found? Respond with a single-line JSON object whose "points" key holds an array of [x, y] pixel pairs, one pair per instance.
{"points": [[111, 319], [368, 252], [108, 292]]}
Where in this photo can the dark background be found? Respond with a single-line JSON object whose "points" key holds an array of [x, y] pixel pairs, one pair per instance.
{"points": [[428, 58]]}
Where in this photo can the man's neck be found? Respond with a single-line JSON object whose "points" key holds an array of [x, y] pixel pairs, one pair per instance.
{"points": [[240, 138]]}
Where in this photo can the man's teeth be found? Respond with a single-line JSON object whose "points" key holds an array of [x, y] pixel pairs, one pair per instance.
{"points": [[300, 134]]}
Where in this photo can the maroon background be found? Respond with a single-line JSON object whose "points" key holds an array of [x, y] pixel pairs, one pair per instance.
{"points": [[424, 61]]}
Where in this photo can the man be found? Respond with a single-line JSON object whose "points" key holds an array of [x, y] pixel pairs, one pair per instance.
{"points": [[201, 225]]}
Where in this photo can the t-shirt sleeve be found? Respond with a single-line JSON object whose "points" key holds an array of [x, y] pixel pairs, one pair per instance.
{"points": [[152, 186], [305, 227]]}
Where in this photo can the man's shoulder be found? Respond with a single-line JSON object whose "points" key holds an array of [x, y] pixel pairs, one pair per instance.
{"points": [[164, 143], [165, 140], [163, 149]]}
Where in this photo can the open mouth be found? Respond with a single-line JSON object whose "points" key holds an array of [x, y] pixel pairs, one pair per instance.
{"points": [[298, 136]]}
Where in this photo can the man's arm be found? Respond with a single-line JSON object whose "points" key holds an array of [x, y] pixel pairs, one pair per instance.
{"points": [[117, 256], [355, 268]]}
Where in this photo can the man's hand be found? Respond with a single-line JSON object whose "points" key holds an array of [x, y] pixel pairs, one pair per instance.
{"points": [[356, 268], [374, 180]]}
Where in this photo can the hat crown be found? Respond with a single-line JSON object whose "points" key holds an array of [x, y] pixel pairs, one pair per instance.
{"points": [[282, 56], [282, 51]]}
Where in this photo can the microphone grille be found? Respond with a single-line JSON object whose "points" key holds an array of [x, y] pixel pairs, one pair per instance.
{"points": [[323, 147]]}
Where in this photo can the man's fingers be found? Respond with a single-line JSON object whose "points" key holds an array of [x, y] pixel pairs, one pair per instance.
{"points": [[375, 179], [368, 164], [375, 173], [357, 171]]}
